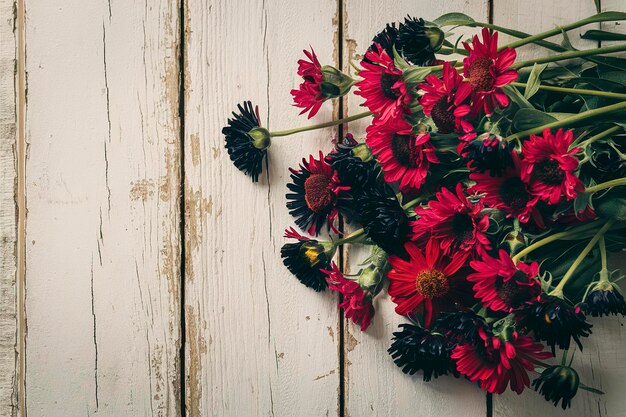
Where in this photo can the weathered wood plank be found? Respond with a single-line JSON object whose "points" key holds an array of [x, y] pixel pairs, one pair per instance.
{"points": [[102, 237], [8, 225], [258, 342], [374, 385], [602, 363]]}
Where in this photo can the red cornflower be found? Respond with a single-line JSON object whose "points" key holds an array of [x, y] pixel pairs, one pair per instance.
{"points": [[548, 166], [430, 280], [503, 286], [382, 86], [487, 71], [454, 221], [314, 196], [309, 96], [357, 303], [403, 156], [508, 192], [444, 101], [495, 362]]}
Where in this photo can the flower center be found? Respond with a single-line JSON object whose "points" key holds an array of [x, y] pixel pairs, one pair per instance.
{"points": [[432, 283], [513, 193], [548, 172], [386, 85], [442, 116], [402, 150], [480, 76], [317, 192], [513, 294], [462, 227]]}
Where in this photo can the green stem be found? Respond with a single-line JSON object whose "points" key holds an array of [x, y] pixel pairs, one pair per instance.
{"points": [[351, 237], [559, 29], [603, 259], [415, 202], [599, 136], [580, 91], [607, 184], [558, 290], [569, 55], [321, 125], [569, 120], [552, 238]]}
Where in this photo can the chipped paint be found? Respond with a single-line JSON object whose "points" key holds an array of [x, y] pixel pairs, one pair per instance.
{"points": [[350, 341], [194, 363], [197, 209], [195, 149], [141, 189]]}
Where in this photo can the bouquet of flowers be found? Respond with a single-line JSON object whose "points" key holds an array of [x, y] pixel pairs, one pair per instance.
{"points": [[489, 189]]}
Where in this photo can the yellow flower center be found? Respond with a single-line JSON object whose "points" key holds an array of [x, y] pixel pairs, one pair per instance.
{"points": [[432, 283]]}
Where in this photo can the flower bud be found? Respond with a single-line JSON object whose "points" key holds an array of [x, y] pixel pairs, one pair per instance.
{"points": [[514, 241], [260, 137], [435, 36], [558, 383], [335, 83]]}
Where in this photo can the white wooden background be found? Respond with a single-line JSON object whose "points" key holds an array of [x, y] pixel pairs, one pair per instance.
{"points": [[140, 272]]}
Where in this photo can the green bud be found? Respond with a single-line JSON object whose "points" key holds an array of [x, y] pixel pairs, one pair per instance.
{"points": [[260, 137], [336, 83], [436, 37], [363, 152], [612, 208], [514, 241]]}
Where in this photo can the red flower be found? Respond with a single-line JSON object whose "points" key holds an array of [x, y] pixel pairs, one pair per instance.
{"points": [[382, 86], [500, 285], [309, 96], [508, 192], [356, 303], [454, 221], [430, 280], [495, 362], [403, 156], [548, 166], [314, 196], [444, 101], [487, 70]]}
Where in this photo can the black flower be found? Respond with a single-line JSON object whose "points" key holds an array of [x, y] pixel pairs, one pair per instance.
{"points": [[386, 38], [415, 348], [558, 383], [418, 43], [246, 140], [461, 326], [354, 163], [554, 321], [604, 301], [306, 258], [489, 153], [383, 218]]}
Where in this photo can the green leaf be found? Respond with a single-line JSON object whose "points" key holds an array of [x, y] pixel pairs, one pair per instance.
{"points": [[603, 35], [398, 60], [606, 16], [582, 201], [532, 85], [598, 6], [615, 76], [528, 118], [452, 19], [517, 97]]}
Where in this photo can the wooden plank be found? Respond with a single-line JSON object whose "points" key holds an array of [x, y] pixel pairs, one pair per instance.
{"points": [[258, 342], [602, 363], [103, 238], [8, 225], [374, 385]]}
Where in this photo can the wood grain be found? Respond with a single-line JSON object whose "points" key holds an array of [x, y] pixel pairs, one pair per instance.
{"points": [[258, 342], [374, 385], [8, 225], [601, 364], [102, 237]]}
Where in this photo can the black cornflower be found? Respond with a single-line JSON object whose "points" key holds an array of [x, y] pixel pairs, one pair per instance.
{"points": [[415, 348], [553, 320], [417, 43], [558, 383], [461, 326], [306, 258], [354, 163], [246, 140], [383, 218], [488, 154], [604, 300]]}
